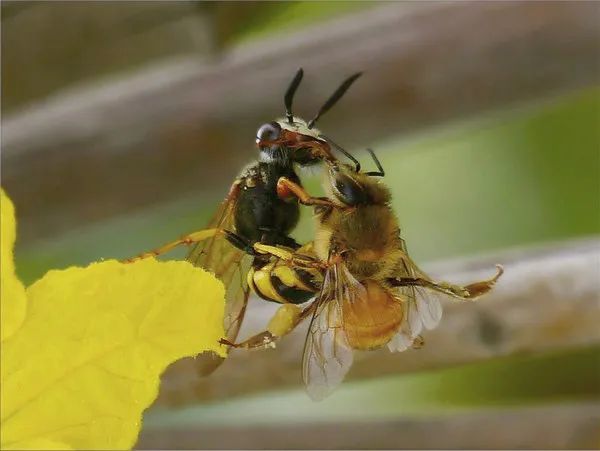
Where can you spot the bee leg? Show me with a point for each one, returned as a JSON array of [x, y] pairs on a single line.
[[443, 287], [286, 318], [477, 289], [193, 237], [287, 188], [418, 342], [467, 292], [471, 291]]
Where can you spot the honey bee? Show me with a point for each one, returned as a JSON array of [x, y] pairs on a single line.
[[372, 293], [258, 210]]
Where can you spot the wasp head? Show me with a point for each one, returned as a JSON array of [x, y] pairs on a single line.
[[284, 141], [292, 139]]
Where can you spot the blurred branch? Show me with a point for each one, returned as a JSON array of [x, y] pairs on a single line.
[[150, 134], [548, 299], [570, 426], [52, 45]]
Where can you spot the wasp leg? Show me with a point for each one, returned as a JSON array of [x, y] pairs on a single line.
[[241, 243], [258, 248], [467, 292], [271, 235], [263, 339], [193, 237], [285, 187], [286, 318], [289, 256]]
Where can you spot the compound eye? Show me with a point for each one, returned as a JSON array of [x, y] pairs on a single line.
[[268, 132], [349, 191]]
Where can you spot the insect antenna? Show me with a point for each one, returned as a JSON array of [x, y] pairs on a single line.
[[344, 151], [288, 99], [381, 172], [339, 92]]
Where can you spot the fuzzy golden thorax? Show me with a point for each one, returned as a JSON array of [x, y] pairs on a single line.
[[363, 228]]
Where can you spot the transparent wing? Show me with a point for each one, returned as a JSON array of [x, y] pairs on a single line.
[[428, 307], [327, 354], [422, 308], [230, 265]]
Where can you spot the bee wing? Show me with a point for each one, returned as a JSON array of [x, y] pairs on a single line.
[[327, 354], [408, 268], [229, 264], [422, 308], [428, 307]]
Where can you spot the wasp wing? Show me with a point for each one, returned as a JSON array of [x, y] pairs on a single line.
[[327, 354], [230, 265], [421, 308]]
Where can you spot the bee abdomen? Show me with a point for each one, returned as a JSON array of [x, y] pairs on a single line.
[[373, 319]]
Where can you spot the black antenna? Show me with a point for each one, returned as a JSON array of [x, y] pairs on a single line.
[[339, 92], [344, 151], [381, 172], [289, 95]]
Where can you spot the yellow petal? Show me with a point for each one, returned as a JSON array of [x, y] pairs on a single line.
[[86, 362], [37, 444], [12, 291]]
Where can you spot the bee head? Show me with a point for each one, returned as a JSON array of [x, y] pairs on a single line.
[[351, 187], [292, 139], [345, 185]]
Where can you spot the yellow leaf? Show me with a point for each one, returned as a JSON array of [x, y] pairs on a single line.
[[12, 292], [86, 361]]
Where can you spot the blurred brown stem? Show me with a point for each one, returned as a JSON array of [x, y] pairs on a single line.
[[547, 299]]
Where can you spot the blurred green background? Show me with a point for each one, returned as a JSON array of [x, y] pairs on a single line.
[[488, 177]]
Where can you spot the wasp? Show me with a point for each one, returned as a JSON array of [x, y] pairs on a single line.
[[371, 293], [259, 210]]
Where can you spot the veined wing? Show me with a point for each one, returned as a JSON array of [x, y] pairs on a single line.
[[228, 263], [327, 353], [422, 309]]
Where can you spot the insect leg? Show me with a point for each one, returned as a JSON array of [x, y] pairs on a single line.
[[467, 292], [286, 318], [193, 237], [289, 256], [241, 243], [477, 289], [285, 187], [271, 235]]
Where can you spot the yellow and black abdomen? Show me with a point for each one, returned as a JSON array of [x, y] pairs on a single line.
[[278, 281]]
